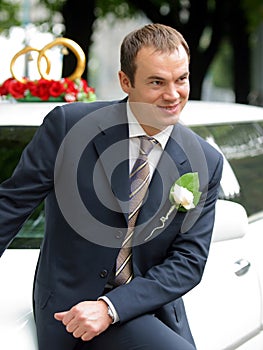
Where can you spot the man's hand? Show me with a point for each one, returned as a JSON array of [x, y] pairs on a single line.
[[86, 320]]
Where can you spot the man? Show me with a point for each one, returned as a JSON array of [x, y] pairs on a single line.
[[79, 161]]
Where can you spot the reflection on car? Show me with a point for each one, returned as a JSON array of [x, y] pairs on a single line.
[[225, 310]]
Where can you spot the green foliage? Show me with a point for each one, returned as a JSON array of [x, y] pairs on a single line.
[[9, 14], [254, 12], [53, 5], [221, 67], [120, 8]]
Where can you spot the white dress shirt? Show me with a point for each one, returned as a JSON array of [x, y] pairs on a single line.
[[135, 131]]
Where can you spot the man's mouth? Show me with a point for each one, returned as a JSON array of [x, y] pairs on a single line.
[[170, 109]]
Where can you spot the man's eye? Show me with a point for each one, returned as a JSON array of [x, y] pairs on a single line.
[[185, 77], [157, 82]]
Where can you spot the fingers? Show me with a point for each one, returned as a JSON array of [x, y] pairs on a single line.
[[85, 320], [65, 316], [86, 333], [71, 324], [60, 315], [68, 319]]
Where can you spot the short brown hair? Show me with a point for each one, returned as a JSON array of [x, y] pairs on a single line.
[[159, 36]]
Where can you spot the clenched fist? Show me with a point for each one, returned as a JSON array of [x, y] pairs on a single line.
[[86, 320]]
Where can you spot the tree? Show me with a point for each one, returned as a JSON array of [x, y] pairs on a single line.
[[78, 27], [204, 24], [8, 15]]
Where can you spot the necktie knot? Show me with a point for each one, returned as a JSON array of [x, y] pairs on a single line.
[[146, 144]]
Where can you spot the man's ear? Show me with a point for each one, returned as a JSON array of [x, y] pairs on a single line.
[[124, 82]]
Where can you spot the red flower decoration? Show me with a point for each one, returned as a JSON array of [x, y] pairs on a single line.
[[4, 88], [16, 88], [56, 88], [64, 89]]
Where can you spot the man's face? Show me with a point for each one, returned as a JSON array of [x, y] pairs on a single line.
[[161, 87]]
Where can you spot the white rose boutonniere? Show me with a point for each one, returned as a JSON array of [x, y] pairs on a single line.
[[184, 195]]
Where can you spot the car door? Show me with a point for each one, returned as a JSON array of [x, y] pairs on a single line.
[[224, 310]]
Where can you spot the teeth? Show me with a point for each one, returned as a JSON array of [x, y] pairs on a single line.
[[169, 108]]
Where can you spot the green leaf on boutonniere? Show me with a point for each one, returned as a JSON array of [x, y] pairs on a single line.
[[184, 193]]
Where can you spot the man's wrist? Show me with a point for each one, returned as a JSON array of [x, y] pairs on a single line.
[[110, 313], [111, 309]]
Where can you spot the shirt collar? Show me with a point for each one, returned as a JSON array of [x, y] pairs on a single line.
[[135, 129]]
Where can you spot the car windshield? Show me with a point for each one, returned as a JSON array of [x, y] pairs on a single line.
[[241, 144], [13, 139]]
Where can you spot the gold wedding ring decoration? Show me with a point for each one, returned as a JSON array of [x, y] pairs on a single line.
[[70, 44]]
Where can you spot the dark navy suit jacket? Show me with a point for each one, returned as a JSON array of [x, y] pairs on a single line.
[[78, 163]]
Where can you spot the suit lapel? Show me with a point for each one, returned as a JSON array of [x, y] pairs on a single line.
[[112, 146]]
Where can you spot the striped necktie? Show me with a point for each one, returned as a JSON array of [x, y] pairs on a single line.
[[139, 181]]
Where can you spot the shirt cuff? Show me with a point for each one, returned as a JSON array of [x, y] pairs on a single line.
[[111, 306]]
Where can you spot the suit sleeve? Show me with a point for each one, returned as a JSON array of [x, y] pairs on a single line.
[[182, 268], [32, 179]]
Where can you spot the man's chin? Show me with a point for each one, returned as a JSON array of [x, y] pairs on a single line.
[[151, 130]]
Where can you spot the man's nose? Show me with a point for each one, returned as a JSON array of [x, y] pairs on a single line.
[[171, 92]]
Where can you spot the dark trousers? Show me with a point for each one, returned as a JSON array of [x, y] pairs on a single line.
[[143, 333]]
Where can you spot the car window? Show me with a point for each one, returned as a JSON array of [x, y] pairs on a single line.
[[12, 142], [242, 145]]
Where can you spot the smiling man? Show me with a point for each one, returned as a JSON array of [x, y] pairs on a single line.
[[118, 252], [158, 77]]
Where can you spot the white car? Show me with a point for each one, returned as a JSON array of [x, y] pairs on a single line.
[[225, 310]]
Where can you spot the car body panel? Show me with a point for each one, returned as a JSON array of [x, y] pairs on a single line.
[[17, 326], [229, 297]]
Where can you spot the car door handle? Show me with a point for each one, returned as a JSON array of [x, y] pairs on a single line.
[[241, 267]]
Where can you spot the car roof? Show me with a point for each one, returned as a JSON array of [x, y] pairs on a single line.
[[195, 113], [24, 113], [205, 113]]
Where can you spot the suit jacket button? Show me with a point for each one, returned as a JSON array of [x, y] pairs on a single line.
[[103, 273], [119, 234]]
